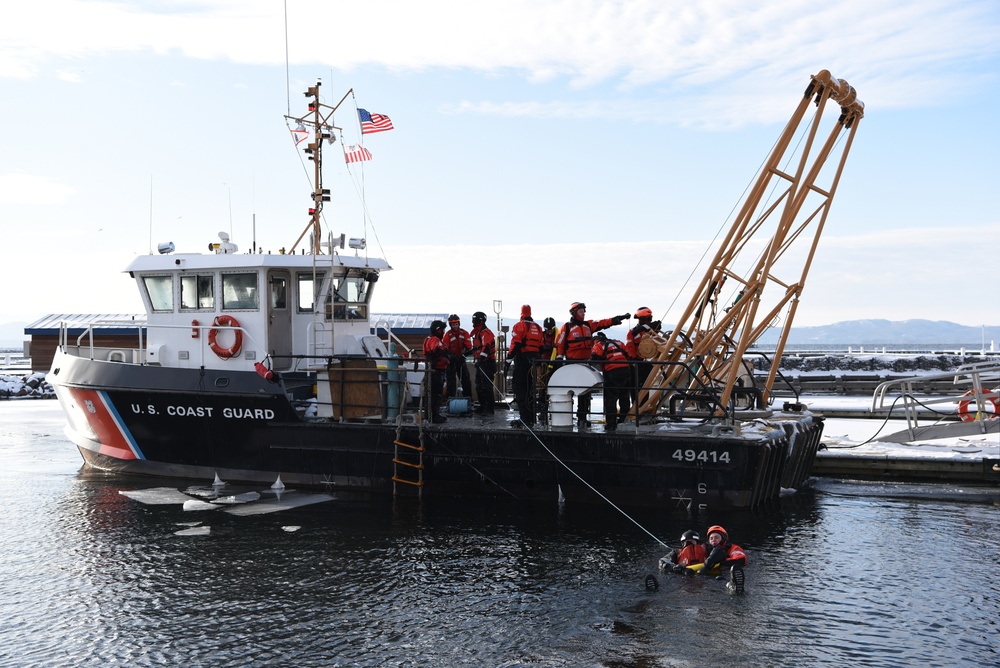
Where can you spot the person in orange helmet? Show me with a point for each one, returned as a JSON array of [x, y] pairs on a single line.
[[723, 556], [643, 328], [459, 342], [692, 552], [574, 343]]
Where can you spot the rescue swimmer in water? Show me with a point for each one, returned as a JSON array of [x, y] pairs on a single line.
[[718, 557]]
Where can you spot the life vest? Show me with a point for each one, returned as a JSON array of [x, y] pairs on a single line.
[[484, 345], [575, 338], [527, 336], [457, 341], [634, 338], [435, 353], [548, 342], [611, 351], [689, 555]]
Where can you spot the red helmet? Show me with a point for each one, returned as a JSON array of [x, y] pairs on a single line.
[[576, 305], [643, 312], [717, 529]]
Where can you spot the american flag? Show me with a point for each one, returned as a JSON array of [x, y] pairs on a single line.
[[355, 153], [373, 122]]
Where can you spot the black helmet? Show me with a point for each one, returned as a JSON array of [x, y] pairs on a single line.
[[437, 326], [478, 318], [690, 535], [549, 323], [453, 318]]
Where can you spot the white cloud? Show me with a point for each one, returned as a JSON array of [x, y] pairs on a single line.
[[721, 61]]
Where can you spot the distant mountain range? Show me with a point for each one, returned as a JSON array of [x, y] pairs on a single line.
[[849, 332], [885, 332]]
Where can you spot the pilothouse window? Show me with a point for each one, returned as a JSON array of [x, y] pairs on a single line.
[[161, 292], [350, 297], [239, 291], [309, 291], [198, 292]]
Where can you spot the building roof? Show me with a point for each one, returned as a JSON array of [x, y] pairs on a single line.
[[108, 323], [406, 323]]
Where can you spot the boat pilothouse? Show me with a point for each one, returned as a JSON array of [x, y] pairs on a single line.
[[228, 310]]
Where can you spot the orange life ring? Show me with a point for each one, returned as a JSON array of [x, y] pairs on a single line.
[[963, 405], [225, 321]]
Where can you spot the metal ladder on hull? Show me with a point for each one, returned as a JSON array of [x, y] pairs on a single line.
[[408, 465], [408, 460]]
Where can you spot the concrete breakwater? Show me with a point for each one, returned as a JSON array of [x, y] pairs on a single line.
[[855, 374]]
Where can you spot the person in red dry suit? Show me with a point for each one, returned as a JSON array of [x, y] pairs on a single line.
[[574, 342], [459, 342], [484, 350], [645, 327], [692, 552], [617, 379], [438, 359], [526, 339]]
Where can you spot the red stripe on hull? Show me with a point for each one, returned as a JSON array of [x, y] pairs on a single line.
[[104, 424]]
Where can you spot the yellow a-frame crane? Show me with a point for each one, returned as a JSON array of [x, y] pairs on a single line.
[[705, 350]]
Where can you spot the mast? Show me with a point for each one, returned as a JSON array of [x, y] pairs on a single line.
[[319, 118]]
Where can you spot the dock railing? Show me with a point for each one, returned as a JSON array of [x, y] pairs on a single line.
[[975, 390]]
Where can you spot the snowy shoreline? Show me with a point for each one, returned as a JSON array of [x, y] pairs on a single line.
[[25, 386]]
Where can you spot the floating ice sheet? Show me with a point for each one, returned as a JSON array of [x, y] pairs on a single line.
[[285, 503], [156, 496]]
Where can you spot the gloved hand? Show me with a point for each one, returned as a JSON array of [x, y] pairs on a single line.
[[617, 320], [715, 557], [655, 325]]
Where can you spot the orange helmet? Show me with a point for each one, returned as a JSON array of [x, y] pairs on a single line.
[[643, 312], [717, 529], [576, 305]]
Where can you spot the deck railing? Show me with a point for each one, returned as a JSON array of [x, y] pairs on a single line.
[[973, 392]]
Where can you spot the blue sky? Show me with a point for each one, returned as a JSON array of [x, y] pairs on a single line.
[[543, 152]]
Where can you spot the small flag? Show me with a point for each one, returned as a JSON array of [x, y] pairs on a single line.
[[300, 134], [355, 153], [373, 122]]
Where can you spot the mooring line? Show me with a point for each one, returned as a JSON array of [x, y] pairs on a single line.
[[574, 473]]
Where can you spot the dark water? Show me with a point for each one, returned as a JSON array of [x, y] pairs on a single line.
[[842, 574]]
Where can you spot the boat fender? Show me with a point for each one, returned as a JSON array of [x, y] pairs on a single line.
[[264, 372], [194, 329], [969, 416], [225, 321]]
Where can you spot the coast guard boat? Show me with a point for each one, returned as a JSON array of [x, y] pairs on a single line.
[[254, 367]]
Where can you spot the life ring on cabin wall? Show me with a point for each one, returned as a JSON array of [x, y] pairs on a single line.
[[213, 334], [968, 415]]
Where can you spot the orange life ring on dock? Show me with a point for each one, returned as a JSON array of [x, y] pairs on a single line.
[[969, 416], [225, 321]]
